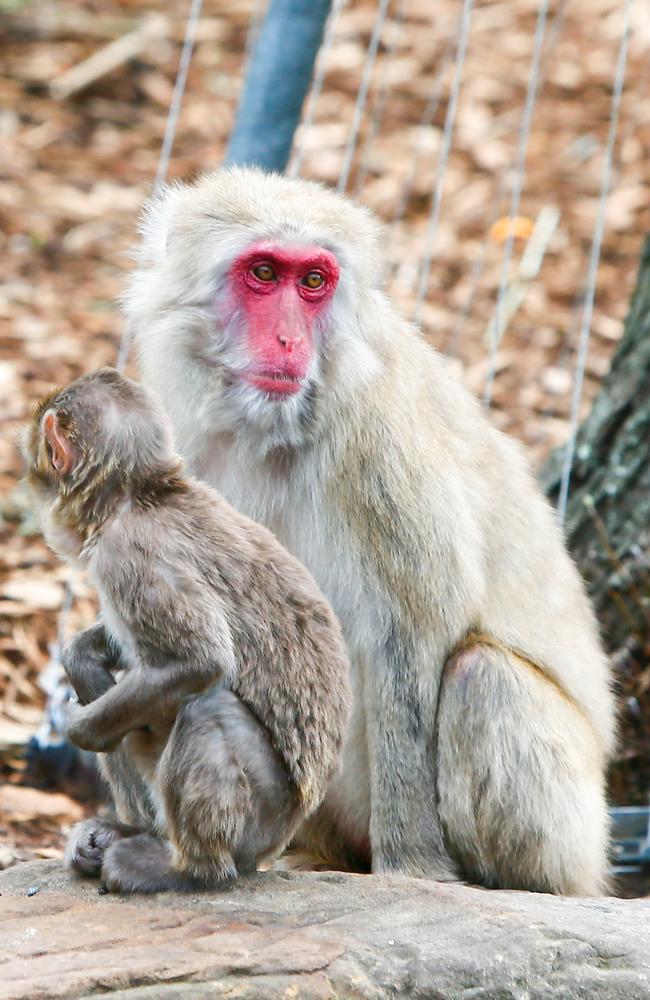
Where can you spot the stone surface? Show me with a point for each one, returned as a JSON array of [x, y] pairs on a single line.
[[316, 936]]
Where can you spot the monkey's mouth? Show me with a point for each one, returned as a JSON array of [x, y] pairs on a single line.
[[275, 383]]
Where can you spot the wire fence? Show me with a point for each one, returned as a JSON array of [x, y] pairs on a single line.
[[412, 254], [511, 289], [475, 249]]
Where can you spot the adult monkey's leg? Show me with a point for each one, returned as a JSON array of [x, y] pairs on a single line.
[[406, 834], [520, 776]]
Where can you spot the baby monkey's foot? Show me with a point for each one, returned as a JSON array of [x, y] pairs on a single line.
[[89, 841], [144, 864]]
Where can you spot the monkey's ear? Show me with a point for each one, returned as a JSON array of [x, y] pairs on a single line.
[[62, 453]]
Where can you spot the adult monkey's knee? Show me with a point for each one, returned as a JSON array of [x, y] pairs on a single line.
[[521, 776]]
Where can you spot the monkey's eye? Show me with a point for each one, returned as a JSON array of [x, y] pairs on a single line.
[[265, 272], [313, 280]]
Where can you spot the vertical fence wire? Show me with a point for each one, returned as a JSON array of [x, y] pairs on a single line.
[[553, 35], [362, 95], [316, 88], [382, 99], [253, 33], [454, 339], [177, 95], [594, 260], [447, 137], [171, 127], [517, 187], [428, 115]]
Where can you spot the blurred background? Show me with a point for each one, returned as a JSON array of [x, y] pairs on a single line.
[[85, 90]]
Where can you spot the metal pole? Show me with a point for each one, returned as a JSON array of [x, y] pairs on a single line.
[[278, 79]]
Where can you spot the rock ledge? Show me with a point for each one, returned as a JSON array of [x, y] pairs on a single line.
[[316, 936]]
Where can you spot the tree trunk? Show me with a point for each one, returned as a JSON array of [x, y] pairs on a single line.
[[608, 530]]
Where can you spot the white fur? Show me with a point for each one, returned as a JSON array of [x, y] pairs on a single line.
[[494, 557]]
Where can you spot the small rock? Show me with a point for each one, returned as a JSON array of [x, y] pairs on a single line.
[[556, 381], [7, 858]]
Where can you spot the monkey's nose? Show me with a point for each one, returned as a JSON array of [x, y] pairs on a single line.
[[290, 340]]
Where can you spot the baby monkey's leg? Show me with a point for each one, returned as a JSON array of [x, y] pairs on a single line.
[[228, 803], [88, 661], [89, 840]]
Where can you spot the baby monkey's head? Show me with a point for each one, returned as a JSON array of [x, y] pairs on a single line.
[[98, 438]]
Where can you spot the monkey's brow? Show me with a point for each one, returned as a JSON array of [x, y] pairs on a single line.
[[212, 215]]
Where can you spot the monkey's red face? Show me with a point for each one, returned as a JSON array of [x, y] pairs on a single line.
[[279, 293]]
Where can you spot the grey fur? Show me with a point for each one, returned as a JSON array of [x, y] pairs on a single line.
[[226, 718]]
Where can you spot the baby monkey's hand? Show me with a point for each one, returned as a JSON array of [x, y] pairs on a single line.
[[82, 730]]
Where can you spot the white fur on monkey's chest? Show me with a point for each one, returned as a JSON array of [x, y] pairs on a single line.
[[293, 508]]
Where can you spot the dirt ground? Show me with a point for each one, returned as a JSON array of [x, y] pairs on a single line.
[[77, 165]]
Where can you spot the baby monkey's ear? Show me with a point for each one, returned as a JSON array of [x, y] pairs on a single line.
[[62, 451]]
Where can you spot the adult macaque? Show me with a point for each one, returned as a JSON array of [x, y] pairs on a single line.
[[233, 697], [482, 717]]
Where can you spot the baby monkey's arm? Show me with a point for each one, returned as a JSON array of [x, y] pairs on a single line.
[[149, 692], [179, 640], [144, 696]]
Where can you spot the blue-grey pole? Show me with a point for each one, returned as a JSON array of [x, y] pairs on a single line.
[[279, 75]]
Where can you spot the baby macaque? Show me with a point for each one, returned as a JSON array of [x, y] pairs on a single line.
[[231, 704]]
